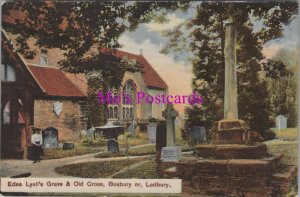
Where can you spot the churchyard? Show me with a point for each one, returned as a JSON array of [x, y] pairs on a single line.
[[223, 155], [235, 142], [279, 145]]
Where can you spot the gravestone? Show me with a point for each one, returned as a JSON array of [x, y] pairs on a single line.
[[281, 122], [68, 145], [171, 154], [50, 137], [132, 127], [170, 114], [112, 146], [61, 145], [196, 135], [90, 133], [161, 138], [151, 131]]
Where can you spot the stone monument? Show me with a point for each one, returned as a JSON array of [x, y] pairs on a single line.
[[50, 137], [170, 114], [281, 122], [196, 135], [132, 127], [230, 165], [151, 131], [171, 152]]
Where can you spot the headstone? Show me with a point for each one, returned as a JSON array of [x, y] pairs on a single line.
[[161, 138], [68, 145], [61, 145], [281, 122], [112, 146], [50, 137], [132, 127], [90, 133], [151, 131], [83, 133], [170, 114], [196, 135], [171, 154]]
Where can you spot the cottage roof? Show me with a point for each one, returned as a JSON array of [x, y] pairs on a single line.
[[55, 82]]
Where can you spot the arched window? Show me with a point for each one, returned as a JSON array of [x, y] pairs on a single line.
[[110, 113], [116, 112], [128, 100], [113, 106]]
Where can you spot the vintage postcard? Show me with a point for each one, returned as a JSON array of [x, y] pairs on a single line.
[[149, 98]]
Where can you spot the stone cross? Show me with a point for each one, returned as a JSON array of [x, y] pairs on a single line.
[[170, 114], [230, 96]]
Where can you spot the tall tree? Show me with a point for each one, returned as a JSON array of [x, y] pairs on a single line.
[[282, 86], [76, 27], [207, 44]]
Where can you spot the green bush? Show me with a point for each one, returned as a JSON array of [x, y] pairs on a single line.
[[96, 142], [268, 135]]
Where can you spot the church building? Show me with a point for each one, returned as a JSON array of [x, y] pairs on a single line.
[[35, 92]]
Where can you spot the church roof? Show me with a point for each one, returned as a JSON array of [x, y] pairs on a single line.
[[150, 76], [55, 82]]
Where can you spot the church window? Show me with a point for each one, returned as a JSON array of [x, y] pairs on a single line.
[[129, 91], [113, 106]]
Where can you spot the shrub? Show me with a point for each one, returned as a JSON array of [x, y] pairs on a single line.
[[98, 141], [268, 135]]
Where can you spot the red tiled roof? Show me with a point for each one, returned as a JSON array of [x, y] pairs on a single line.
[[55, 82], [150, 76]]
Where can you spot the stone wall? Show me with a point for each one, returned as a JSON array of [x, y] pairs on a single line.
[[70, 122], [156, 109]]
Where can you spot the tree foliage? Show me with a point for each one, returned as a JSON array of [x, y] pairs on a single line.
[[206, 41], [77, 26], [282, 86]]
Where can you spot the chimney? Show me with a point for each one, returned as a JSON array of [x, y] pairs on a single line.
[[141, 51]]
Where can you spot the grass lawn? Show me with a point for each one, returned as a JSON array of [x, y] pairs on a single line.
[[101, 169], [146, 171], [289, 150], [139, 139], [133, 151], [148, 149], [287, 134], [285, 144], [56, 153]]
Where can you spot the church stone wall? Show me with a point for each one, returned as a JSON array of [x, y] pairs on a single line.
[[156, 109], [137, 78], [70, 121]]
